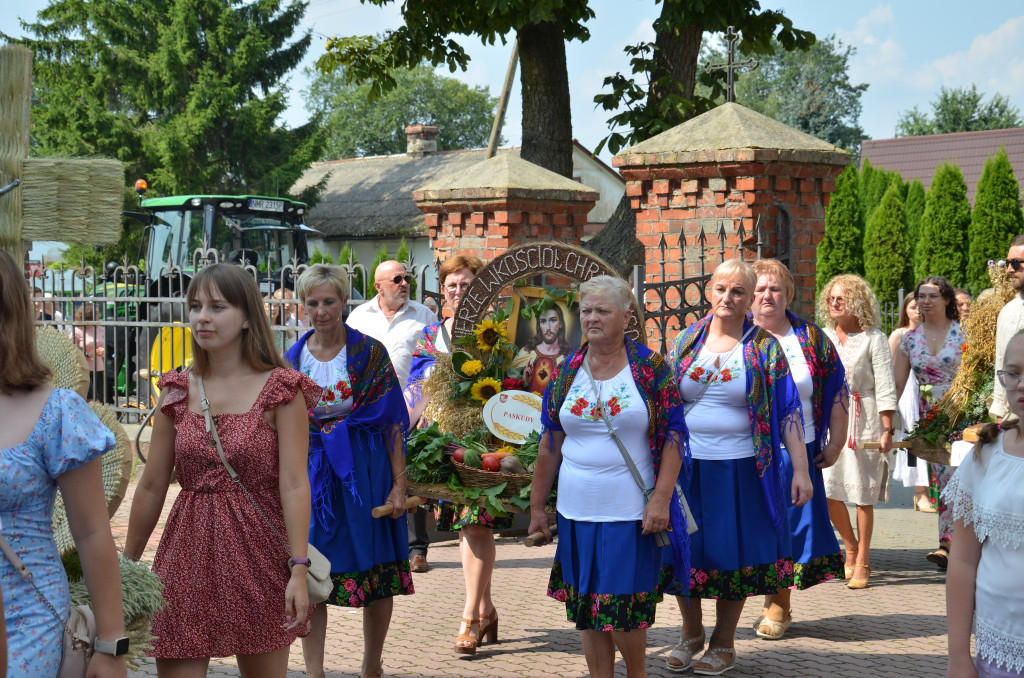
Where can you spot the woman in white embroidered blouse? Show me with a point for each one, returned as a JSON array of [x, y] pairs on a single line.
[[987, 499]]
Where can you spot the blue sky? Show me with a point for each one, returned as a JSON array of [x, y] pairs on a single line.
[[906, 50]]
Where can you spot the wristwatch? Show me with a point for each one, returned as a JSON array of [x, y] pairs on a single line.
[[117, 647], [891, 430], [292, 562]]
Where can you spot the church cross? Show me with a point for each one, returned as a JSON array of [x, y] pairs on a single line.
[[731, 65]]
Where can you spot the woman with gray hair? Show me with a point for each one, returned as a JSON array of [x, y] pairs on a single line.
[[612, 398], [356, 462], [742, 405]]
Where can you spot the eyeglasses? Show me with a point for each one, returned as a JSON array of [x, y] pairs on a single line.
[[399, 278], [455, 287], [1009, 380], [1015, 264]]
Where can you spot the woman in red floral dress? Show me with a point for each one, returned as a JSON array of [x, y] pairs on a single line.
[[232, 588]]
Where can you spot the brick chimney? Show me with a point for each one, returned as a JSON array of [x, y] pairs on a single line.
[[420, 139]]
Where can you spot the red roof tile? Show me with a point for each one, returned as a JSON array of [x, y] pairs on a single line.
[[919, 157]]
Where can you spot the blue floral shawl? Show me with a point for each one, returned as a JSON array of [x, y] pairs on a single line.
[[424, 355], [377, 422], [773, 403], [654, 380]]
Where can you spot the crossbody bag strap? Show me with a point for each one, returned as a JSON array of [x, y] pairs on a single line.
[[721, 366], [26, 576], [211, 428], [637, 478]]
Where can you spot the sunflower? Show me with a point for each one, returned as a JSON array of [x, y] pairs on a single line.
[[471, 368], [485, 388], [489, 333]]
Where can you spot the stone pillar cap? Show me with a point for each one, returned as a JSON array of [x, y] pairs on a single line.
[[505, 176], [731, 133]]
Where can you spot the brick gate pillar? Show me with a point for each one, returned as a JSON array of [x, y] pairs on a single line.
[[698, 187], [506, 201]]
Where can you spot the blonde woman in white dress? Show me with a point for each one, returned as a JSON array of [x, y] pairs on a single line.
[[848, 312]]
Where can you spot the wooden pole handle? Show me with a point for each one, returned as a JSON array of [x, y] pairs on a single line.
[[897, 445], [538, 538], [388, 509]]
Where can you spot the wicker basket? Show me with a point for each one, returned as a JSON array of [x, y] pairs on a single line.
[[475, 477], [935, 455]]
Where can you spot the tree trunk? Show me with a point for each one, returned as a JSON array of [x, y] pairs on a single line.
[[547, 121], [676, 52]]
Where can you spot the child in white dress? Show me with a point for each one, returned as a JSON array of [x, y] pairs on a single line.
[[983, 583]]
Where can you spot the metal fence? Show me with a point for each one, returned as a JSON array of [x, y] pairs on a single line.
[[671, 305], [133, 329]]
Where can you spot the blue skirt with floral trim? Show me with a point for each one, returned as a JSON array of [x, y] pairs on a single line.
[[607, 574], [816, 553], [736, 552]]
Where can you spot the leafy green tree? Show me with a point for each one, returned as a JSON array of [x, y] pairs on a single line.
[[347, 257], [942, 248], [841, 249], [807, 90], [319, 257], [888, 266], [357, 125], [874, 190], [996, 218], [430, 31], [913, 209], [402, 253], [960, 109], [186, 92], [380, 256], [661, 92]]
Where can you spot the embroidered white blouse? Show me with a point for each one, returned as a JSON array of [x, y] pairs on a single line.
[[989, 495]]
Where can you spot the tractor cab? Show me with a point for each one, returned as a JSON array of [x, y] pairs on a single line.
[[265, 233]]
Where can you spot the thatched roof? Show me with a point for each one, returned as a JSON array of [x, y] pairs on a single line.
[[372, 197]]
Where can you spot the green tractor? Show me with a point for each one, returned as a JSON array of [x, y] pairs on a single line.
[[182, 232]]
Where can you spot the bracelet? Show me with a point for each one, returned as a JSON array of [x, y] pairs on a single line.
[[891, 430], [399, 476]]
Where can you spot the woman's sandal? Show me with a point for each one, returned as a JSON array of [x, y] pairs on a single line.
[[939, 557], [860, 583], [466, 643], [769, 629], [489, 627], [683, 652], [848, 569], [715, 664]]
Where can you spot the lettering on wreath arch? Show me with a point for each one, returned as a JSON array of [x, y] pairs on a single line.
[[526, 261]]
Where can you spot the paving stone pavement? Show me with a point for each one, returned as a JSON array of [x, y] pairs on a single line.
[[894, 628]]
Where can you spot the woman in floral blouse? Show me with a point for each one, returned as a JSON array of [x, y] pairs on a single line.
[[933, 351], [607, 566], [356, 462], [741, 406]]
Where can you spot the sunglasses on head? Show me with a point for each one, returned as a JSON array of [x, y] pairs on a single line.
[[1015, 264], [399, 278]]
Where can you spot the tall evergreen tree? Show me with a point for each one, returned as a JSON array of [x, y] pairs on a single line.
[[841, 250], [997, 217], [942, 249], [873, 189], [866, 174], [913, 208], [887, 262], [187, 93]]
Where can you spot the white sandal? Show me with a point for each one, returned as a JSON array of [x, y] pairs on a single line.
[[775, 629], [684, 654], [716, 665]]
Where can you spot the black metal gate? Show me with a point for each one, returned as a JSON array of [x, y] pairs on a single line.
[[671, 305]]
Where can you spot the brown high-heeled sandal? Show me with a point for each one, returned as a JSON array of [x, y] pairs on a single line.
[[847, 568], [465, 643], [860, 583], [489, 629]]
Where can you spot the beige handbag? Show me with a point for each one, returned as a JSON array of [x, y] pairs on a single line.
[[318, 577], [79, 630]]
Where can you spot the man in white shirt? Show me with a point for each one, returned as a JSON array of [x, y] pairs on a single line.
[[395, 321], [1011, 321]]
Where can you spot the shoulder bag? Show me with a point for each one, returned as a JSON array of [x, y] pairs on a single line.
[[660, 538], [318, 576], [79, 630]]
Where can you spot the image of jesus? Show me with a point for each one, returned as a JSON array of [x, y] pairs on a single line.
[[545, 351]]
